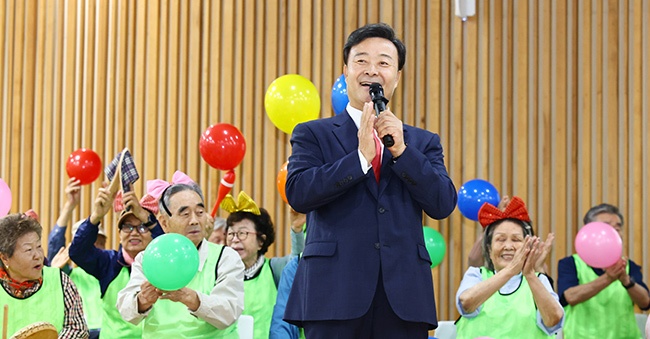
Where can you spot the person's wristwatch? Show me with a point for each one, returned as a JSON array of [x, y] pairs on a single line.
[[631, 284]]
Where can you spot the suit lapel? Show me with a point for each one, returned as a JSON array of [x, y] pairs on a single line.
[[345, 132]]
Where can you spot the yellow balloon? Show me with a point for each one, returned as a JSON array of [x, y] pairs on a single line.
[[291, 99]]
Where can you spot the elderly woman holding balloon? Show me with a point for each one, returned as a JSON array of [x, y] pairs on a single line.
[[507, 298], [598, 287]]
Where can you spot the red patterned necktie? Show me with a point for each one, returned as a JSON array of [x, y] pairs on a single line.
[[376, 161]]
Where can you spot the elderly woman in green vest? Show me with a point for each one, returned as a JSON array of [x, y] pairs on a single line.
[[249, 231], [507, 298], [28, 285]]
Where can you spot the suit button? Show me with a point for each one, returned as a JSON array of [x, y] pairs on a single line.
[[377, 245], [350, 177], [381, 210]]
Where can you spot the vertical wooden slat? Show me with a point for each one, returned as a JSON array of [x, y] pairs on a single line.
[[171, 70], [610, 121], [163, 90], [151, 91], [47, 112], [182, 111], [138, 145], [36, 112], [15, 110], [5, 37], [635, 134], [585, 87], [194, 127], [558, 124], [204, 87]]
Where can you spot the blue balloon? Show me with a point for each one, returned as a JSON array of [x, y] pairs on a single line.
[[473, 194], [340, 95]]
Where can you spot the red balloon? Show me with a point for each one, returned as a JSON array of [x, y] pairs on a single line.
[[222, 146], [85, 165], [282, 181]]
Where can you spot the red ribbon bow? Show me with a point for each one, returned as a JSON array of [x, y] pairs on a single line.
[[516, 209]]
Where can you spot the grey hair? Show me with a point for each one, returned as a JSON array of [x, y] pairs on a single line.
[[489, 233], [599, 209], [14, 226], [219, 223], [163, 203]]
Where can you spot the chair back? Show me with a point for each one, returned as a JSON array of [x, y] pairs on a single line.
[[245, 326], [640, 321], [446, 330]]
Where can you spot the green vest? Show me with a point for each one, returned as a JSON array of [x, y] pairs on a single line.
[[504, 316], [608, 314], [44, 305], [259, 298], [91, 295], [113, 325], [168, 319]]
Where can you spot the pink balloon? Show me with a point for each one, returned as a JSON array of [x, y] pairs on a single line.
[[599, 245], [5, 198]]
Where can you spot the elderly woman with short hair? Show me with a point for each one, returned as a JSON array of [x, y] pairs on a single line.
[[28, 285]]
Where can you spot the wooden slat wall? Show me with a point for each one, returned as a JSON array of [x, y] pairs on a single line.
[[548, 100]]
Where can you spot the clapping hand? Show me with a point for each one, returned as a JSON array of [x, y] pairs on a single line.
[[545, 250], [517, 263]]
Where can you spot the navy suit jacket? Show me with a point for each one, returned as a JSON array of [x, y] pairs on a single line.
[[357, 227]]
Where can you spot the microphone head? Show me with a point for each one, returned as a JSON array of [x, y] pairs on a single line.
[[376, 91]]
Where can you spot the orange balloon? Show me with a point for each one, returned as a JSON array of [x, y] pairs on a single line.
[[282, 181]]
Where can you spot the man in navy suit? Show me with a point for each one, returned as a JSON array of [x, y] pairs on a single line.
[[365, 272]]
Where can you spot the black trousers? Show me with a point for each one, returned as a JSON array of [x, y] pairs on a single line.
[[380, 322]]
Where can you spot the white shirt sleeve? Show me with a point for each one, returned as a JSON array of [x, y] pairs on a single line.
[[365, 166]]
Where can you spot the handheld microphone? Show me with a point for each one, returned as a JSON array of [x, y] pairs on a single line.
[[377, 96]]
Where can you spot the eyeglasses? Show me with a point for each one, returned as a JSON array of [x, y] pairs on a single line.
[[142, 229], [241, 235]]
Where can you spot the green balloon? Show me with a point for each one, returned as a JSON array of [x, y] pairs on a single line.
[[435, 244], [170, 261]]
